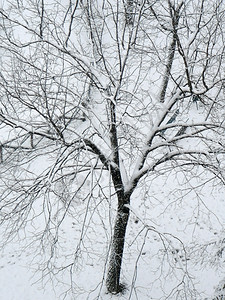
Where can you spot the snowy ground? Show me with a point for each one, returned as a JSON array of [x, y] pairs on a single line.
[[156, 269]]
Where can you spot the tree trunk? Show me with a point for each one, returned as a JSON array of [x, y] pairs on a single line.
[[113, 277]]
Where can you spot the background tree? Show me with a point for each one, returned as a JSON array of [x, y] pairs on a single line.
[[97, 97]]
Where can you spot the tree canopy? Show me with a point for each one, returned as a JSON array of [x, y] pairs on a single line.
[[98, 99]]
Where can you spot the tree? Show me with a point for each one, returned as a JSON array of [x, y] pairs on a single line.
[[219, 292], [99, 89]]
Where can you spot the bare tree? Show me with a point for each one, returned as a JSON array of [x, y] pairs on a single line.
[[97, 89]]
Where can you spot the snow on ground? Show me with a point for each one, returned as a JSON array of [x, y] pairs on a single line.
[[16, 278], [149, 272]]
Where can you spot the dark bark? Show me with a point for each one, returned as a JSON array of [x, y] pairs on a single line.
[[117, 247], [129, 12], [175, 16], [113, 277]]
